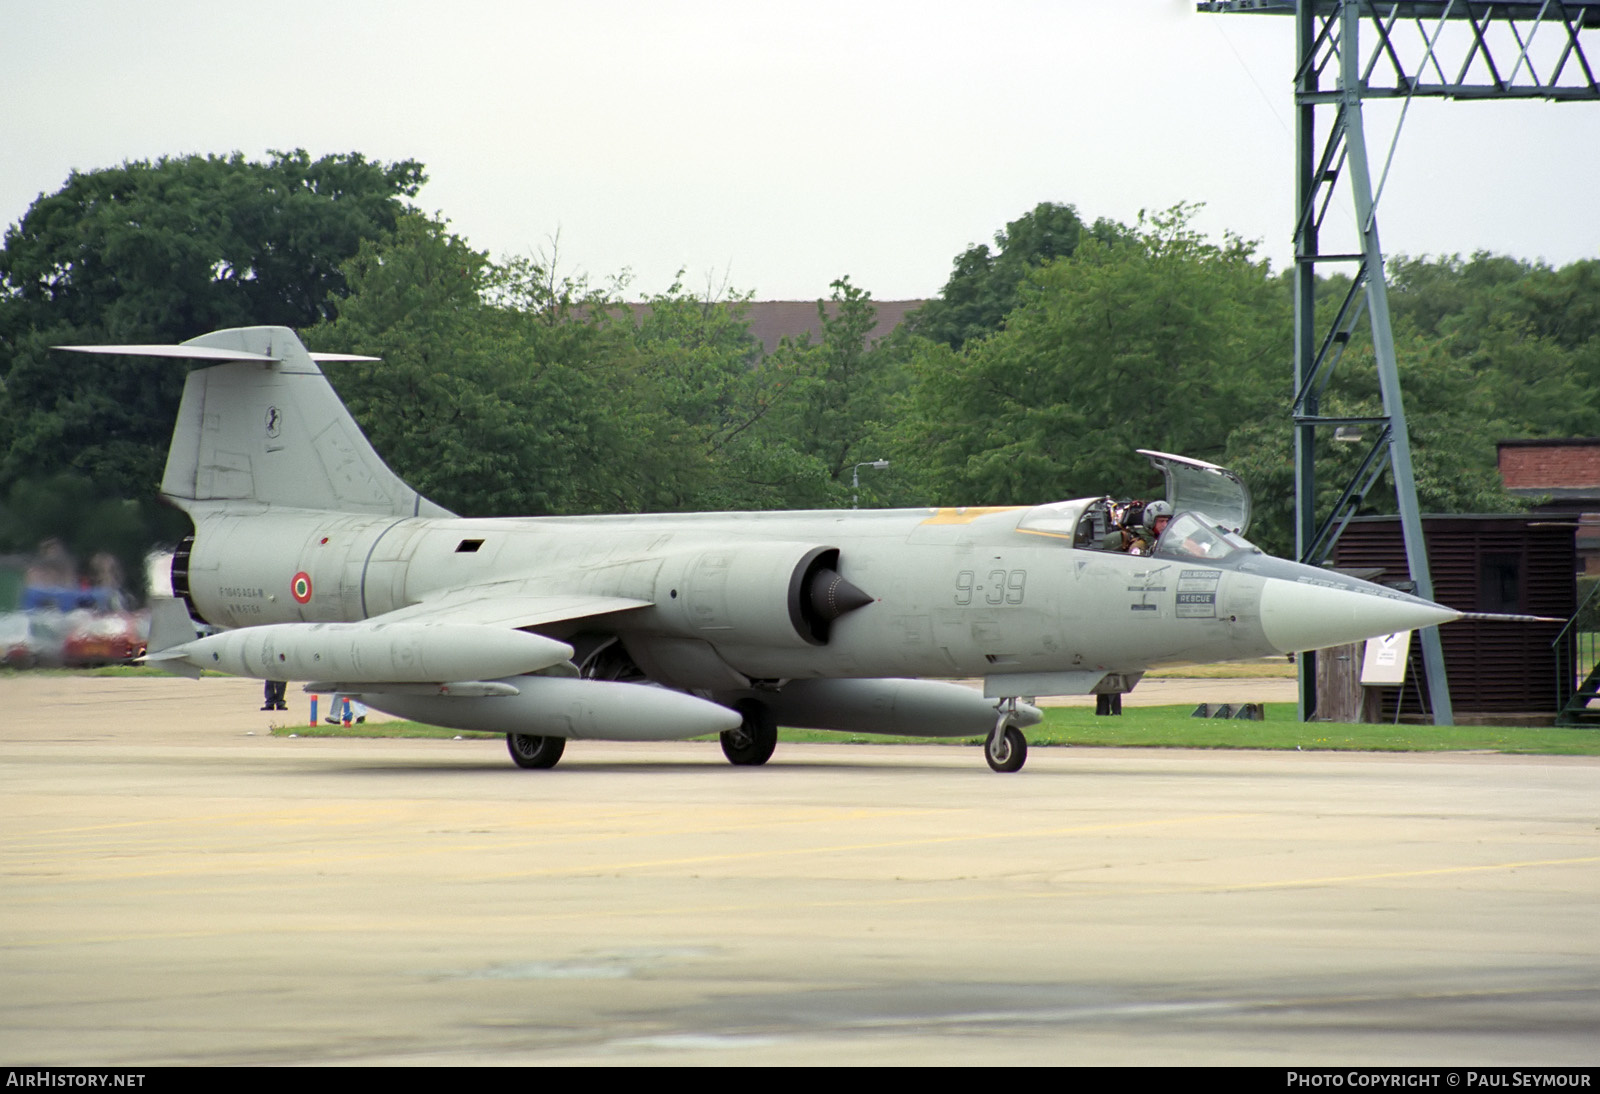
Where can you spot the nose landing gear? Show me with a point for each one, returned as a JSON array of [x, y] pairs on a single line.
[[1006, 749]]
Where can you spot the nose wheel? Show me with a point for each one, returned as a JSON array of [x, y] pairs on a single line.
[[1006, 749]]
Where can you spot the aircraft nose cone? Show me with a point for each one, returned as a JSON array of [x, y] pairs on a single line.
[[1299, 616]]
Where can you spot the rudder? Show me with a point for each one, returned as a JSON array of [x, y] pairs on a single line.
[[265, 426]]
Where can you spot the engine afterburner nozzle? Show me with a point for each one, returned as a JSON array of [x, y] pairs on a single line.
[[833, 596]]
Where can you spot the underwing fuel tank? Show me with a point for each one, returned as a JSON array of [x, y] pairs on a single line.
[[367, 653], [918, 708], [561, 706]]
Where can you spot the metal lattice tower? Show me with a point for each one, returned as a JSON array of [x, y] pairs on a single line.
[[1458, 49]]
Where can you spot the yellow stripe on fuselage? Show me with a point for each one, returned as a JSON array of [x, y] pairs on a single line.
[[965, 514]]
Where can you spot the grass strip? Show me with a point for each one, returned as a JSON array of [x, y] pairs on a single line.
[[1158, 727]]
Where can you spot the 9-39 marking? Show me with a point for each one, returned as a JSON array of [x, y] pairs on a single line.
[[998, 587]]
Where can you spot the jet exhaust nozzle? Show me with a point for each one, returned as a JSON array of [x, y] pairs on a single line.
[[833, 596]]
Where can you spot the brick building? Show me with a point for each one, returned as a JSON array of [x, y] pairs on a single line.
[[1564, 475], [771, 321]]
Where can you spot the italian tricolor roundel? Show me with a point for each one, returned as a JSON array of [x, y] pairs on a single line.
[[301, 587]]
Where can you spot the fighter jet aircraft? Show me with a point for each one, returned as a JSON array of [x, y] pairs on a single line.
[[322, 566]]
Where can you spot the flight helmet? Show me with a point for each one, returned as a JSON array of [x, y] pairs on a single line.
[[1154, 510]]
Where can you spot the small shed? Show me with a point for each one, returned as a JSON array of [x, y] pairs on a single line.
[[1521, 564]]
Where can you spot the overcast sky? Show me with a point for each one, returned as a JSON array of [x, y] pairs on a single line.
[[773, 145]]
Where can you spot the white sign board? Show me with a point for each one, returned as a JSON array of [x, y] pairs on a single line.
[[1385, 661]]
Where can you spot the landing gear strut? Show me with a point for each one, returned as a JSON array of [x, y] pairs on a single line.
[[1006, 749], [752, 743]]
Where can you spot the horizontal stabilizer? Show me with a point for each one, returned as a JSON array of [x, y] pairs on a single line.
[[190, 352], [261, 424]]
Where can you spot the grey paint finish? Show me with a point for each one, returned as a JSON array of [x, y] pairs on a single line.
[[301, 529]]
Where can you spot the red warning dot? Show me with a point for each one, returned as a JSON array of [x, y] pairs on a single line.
[[300, 587]]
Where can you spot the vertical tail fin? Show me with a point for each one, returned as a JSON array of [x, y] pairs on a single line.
[[265, 426]]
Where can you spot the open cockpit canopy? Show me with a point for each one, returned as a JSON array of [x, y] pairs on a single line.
[[1215, 497], [1194, 486]]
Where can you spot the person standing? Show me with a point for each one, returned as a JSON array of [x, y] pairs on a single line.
[[273, 692]]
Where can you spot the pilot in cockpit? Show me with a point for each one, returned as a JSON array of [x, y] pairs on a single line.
[[1157, 515]]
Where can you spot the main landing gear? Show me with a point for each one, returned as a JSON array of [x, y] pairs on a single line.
[[1006, 749], [752, 743], [535, 752]]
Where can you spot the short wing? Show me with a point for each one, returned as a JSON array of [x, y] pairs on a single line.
[[477, 613], [484, 606]]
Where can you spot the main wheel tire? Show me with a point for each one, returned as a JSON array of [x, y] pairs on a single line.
[[752, 743], [535, 752], [1007, 751]]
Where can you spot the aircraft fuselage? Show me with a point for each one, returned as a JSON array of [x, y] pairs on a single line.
[[324, 567], [955, 593]]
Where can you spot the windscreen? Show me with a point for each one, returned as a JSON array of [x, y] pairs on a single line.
[[1191, 537]]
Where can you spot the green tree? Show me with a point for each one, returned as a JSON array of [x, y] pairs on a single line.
[[502, 390], [699, 372], [507, 389], [1435, 294], [161, 252], [1160, 340], [1489, 348], [1529, 332], [1453, 422], [831, 404], [986, 285]]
